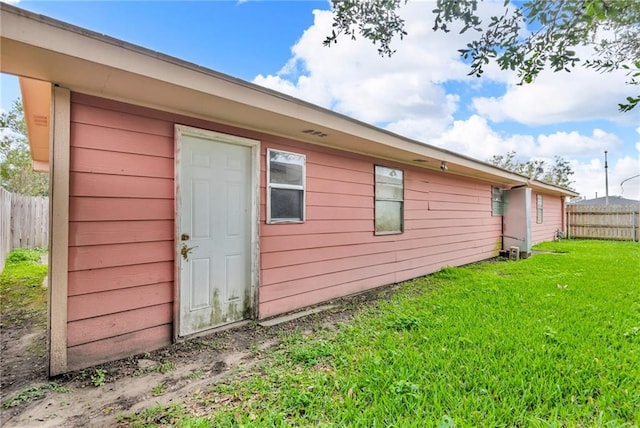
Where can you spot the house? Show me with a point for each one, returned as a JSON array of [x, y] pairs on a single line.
[[605, 200], [183, 199]]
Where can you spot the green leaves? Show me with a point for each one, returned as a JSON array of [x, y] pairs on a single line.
[[558, 174], [632, 102], [375, 20], [529, 37], [16, 172]]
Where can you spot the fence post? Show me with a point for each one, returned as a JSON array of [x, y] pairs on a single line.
[[5, 226]]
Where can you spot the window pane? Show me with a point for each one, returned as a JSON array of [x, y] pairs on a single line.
[[539, 211], [496, 194], [286, 204], [389, 196], [386, 191], [497, 204], [388, 175], [497, 208], [388, 216], [388, 183], [286, 168]]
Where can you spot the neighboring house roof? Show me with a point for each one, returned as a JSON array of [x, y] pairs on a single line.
[[40, 48], [613, 200]]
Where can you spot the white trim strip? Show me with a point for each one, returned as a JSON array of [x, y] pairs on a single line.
[[59, 230]]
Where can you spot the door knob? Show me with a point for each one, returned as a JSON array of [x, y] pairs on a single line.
[[186, 250]]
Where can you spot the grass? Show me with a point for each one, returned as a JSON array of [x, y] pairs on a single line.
[[158, 390], [550, 341], [22, 297], [165, 366], [33, 393]]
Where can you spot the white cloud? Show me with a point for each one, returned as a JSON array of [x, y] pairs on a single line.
[[407, 94], [574, 144], [581, 95], [474, 137], [427, 128], [626, 168], [350, 77], [400, 92], [559, 97], [591, 180]]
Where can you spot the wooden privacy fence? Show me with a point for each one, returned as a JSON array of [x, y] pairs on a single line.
[[24, 223], [615, 222]]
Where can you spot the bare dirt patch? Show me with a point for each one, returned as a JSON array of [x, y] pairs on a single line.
[[96, 396], [23, 350]]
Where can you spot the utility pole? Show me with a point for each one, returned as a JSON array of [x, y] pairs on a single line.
[[606, 179]]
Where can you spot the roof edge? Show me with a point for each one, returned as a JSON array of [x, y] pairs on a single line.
[[372, 132]]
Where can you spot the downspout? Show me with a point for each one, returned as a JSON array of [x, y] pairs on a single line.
[[502, 228], [606, 179], [565, 210]]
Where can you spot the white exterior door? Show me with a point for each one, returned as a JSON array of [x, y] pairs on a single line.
[[215, 206]]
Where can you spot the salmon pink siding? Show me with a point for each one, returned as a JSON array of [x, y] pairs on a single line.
[[122, 210], [121, 229], [447, 221], [552, 218]]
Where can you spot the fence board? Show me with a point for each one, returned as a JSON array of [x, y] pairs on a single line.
[[615, 222], [24, 223], [5, 226]]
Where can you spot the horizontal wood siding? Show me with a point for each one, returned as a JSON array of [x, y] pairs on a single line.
[[122, 218], [121, 231], [116, 347], [552, 208], [335, 251]]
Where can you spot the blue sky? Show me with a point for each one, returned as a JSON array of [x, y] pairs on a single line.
[[423, 91]]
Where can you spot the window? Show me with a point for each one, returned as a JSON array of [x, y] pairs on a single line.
[[285, 187], [497, 201], [539, 217], [389, 200]]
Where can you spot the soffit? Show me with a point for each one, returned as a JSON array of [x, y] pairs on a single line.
[[36, 100]]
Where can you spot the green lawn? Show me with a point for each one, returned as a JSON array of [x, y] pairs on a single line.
[[22, 297], [549, 341]]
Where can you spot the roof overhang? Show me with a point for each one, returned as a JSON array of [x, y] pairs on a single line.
[[36, 100], [40, 48]]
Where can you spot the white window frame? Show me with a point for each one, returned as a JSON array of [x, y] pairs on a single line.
[[496, 212], [375, 198], [271, 186], [539, 209]]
